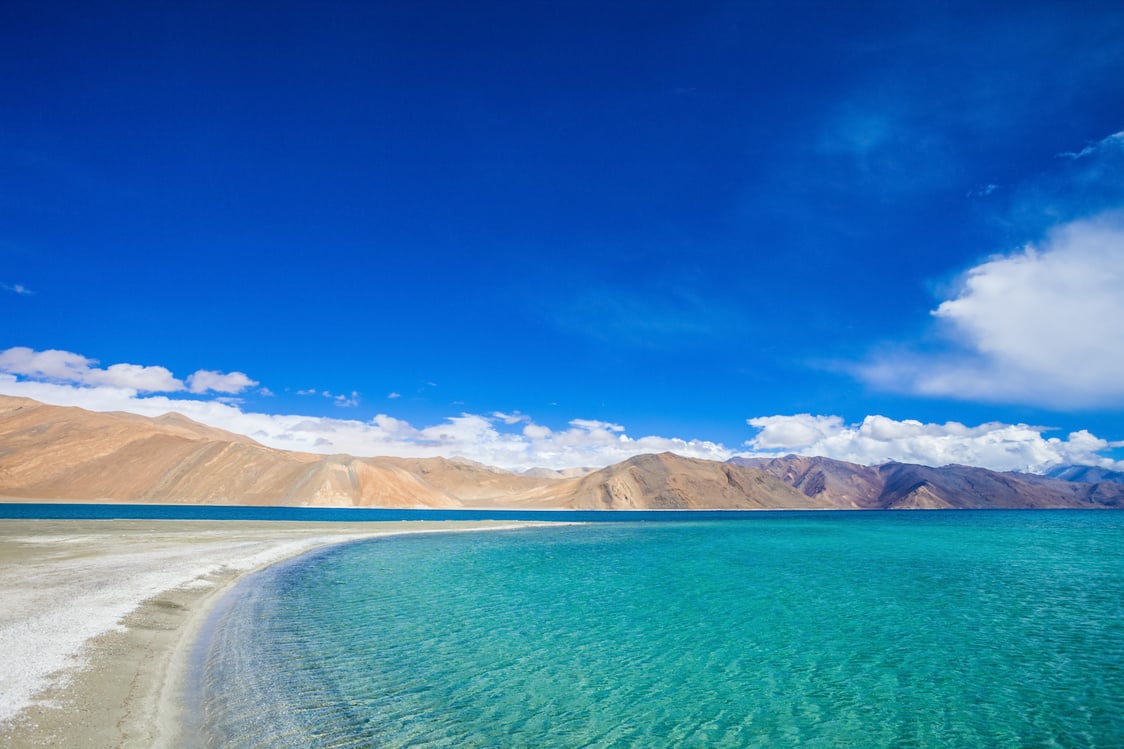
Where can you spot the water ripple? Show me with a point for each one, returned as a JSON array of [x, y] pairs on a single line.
[[922, 630]]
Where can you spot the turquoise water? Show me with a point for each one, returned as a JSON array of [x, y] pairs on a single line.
[[954, 629]]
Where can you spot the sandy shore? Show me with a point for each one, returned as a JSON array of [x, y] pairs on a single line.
[[98, 617]]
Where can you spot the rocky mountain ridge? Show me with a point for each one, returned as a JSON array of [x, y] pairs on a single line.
[[908, 486], [1086, 474], [69, 454]]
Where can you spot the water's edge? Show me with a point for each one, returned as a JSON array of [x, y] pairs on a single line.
[[10, 510], [888, 627], [191, 707]]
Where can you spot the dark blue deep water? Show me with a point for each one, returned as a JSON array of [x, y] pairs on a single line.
[[63, 511]]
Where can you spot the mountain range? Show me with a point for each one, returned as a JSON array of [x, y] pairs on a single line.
[[69, 454]]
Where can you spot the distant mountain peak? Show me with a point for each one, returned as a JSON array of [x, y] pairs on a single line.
[[1086, 474], [52, 452]]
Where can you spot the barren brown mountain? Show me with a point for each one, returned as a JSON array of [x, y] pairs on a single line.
[[51, 452], [832, 483], [671, 482], [899, 486], [60, 453]]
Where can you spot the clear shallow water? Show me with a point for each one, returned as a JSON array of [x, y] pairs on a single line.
[[814, 629]]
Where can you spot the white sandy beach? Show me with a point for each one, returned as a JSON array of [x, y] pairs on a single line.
[[98, 616]]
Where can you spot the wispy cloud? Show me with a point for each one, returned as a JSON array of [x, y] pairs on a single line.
[[1113, 141], [17, 288], [983, 191], [662, 314], [346, 401], [878, 144], [1082, 184], [511, 418], [340, 399]]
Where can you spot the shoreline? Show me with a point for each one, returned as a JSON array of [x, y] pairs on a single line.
[[102, 615]]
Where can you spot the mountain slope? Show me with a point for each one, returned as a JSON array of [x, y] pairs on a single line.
[[668, 481], [832, 483], [906, 486], [57, 453], [1086, 474], [51, 452]]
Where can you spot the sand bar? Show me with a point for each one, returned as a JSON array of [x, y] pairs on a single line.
[[98, 616]]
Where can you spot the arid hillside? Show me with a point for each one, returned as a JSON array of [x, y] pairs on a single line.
[[59, 453], [894, 486]]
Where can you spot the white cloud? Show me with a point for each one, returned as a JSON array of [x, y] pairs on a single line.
[[511, 418], [205, 379], [1116, 139], [67, 367], [64, 366], [596, 426], [782, 432], [485, 439], [340, 399], [17, 288], [983, 191], [393, 396], [878, 439], [51, 364], [346, 401], [536, 432], [1040, 326], [516, 442], [137, 377]]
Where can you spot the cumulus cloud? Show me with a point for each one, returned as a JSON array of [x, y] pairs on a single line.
[[513, 440], [783, 432], [67, 367], [879, 439], [1040, 326], [205, 379], [587, 442], [536, 432], [136, 377], [487, 439]]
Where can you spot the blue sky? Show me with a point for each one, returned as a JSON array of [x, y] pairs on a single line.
[[560, 233]]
